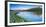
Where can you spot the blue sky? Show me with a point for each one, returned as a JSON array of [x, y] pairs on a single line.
[[21, 6]]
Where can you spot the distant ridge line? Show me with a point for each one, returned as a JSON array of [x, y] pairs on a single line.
[[20, 10]]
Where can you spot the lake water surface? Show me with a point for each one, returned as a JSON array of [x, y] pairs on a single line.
[[30, 16]]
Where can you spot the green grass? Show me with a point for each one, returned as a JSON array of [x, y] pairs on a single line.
[[14, 18]]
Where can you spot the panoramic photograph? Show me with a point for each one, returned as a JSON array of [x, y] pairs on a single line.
[[25, 13]]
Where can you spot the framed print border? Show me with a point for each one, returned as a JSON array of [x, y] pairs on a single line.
[[23, 2]]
